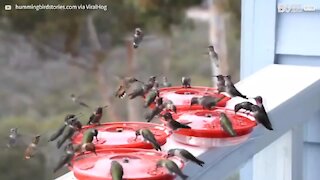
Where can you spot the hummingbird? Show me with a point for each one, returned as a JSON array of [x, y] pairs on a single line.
[[173, 124], [74, 125], [149, 137], [151, 113], [88, 136], [186, 82], [13, 137], [221, 83], [185, 155], [151, 97], [213, 55], [125, 83], [66, 158], [231, 89], [226, 125], [259, 102], [96, 116], [159, 101], [58, 133], [171, 167], [82, 148], [150, 84], [261, 116], [76, 100], [165, 82], [32, 148], [137, 38], [168, 105], [137, 91], [207, 102], [116, 170], [243, 105]]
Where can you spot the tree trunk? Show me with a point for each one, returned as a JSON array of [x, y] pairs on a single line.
[[134, 104], [168, 57]]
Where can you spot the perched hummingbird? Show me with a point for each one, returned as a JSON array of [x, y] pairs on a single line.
[[243, 105], [76, 100], [168, 105], [226, 124], [13, 137], [173, 124], [88, 136], [165, 82], [185, 155], [32, 148], [137, 38], [82, 148], [125, 83], [261, 116], [116, 170], [96, 116], [151, 113], [221, 84], [213, 55], [58, 133], [151, 97], [66, 158], [207, 102], [171, 167], [186, 82], [231, 89], [149, 137]]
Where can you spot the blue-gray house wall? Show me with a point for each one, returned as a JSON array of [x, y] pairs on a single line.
[[269, 37]]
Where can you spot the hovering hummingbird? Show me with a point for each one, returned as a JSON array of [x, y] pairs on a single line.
[[207, 102], [149, 137], [226, 125], [66, 158], [32, 148], [171, 167], [168, 105], [165, 82], [243, 105], [151, 113], [13, 137], [96, 116], [88, 136], [231, 89], [77, 100], [173, 124], [125, 83], [137, 38], [185, 155], [221, 83], [261, 116], [137, 91], [116, 170], [151, 97], [213, 56], [150, 84], [186, 82], [59, 132]]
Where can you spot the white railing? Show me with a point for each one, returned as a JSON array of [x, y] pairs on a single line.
[[291, 96]]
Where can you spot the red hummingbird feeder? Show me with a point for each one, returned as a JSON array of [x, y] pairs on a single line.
[[206, 130], [181, 97], [122, 135], [138, 164]]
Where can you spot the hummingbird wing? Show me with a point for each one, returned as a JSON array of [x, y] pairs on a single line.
[[186, 154], [58, 133]]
